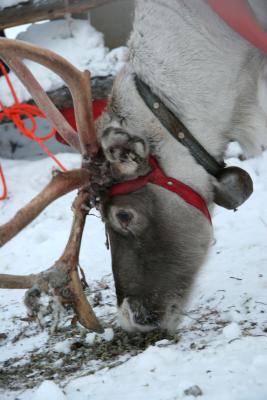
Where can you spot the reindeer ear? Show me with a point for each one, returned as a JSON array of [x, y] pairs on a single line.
[[232, 187]]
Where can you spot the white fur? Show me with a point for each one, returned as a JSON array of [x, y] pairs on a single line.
[[205, 72]]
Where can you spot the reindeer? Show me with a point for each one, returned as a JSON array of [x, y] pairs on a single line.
[[189, 87]]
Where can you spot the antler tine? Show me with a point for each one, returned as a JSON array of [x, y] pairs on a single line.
[[16, 281], [46, 105], [61, 184], [62, 278], [78, 82], [70, 258]]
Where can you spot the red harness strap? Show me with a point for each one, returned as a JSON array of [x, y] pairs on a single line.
[[239, 16], [157, 177], [99, 106]]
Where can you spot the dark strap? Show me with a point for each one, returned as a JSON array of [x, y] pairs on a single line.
[[177, 129]]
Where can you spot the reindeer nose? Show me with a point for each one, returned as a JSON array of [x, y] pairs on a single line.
[[135, 317]]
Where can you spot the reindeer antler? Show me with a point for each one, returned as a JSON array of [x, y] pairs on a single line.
[[86, 143], [61, 184]]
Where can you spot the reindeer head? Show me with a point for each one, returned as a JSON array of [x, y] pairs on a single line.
[[158, 237]]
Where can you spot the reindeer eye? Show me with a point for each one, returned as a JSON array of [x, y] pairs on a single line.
[[124, 217]]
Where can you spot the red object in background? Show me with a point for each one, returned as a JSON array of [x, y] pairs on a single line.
[[240, 17], [99, 107]]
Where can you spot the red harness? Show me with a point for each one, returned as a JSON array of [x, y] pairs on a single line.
[[157, 177]]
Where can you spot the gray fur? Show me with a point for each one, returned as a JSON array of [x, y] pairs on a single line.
[[217, 83]]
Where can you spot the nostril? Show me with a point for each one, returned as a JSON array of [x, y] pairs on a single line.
[[147, 319], [133, 317], [124, 218]]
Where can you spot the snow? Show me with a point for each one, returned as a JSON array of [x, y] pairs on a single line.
[[78, 42], [91, 337], [232, 331], [108, 335], [48, 390], [223, 341], [12, 33], [19, 348], [63, 347], [165, 373], [10, 3]]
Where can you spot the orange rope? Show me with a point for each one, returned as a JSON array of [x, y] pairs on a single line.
[[15, 114], [2, 177]]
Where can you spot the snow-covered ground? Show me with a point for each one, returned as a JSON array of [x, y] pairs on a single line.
[[220, 350]]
